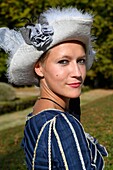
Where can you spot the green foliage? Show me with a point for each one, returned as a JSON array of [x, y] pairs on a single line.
[[85, 89], [101, 74], [16, 105], [102, 71], [3, 65], [7, 92]]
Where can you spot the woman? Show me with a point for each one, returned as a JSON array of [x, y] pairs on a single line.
[[55, 54]]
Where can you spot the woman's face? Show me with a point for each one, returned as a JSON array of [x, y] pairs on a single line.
[[64, 70]]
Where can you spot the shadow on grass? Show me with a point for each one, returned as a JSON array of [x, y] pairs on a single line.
[[13, 161], [11, 152]]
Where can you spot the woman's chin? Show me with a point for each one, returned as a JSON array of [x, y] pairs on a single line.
[[74, 95]]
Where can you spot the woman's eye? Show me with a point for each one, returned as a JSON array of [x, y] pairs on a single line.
[[63, 62], [82, 61]]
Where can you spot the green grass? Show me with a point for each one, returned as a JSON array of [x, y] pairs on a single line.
[[11, 153], [97, 119]]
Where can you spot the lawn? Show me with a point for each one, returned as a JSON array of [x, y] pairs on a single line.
[[97, 119]]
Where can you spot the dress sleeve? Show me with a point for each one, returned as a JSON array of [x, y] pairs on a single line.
[[34, 143]]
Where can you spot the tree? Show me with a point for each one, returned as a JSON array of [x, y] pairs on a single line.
[[101, 74]]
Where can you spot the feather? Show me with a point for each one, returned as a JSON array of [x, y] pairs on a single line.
[[55, 14]]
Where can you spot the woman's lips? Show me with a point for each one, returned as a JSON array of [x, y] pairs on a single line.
[[75, 85]]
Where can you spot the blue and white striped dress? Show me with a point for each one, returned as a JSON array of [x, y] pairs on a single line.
[[55, 140]]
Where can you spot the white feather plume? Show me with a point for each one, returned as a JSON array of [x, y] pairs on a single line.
[[55, 14]]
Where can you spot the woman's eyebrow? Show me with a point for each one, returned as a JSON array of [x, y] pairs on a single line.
[[82, 56], [70, 56]]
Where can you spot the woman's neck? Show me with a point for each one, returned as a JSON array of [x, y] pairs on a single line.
[[50, 101]]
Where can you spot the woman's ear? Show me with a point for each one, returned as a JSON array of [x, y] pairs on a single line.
[[38, 69]]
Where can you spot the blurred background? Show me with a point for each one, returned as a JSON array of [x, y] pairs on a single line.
[[96, 99]]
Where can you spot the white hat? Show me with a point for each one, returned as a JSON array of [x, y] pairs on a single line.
[[27, 44]]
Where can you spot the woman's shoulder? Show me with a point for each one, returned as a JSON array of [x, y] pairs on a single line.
[[44, 115], [61, 122], [43, 118], [58, 118]]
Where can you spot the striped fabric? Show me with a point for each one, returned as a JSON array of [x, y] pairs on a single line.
[[54, 140]]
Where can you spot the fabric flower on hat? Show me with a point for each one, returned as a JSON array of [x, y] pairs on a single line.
[[40, 36]]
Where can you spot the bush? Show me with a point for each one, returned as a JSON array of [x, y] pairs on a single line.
[[16, 105], [7, 92], [85, 88]]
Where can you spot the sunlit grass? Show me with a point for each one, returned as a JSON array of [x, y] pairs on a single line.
[[14, 119]]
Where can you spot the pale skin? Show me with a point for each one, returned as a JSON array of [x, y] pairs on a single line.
[[62, 75]]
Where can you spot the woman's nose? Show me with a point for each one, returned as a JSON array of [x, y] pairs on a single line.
[[75, 70]]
